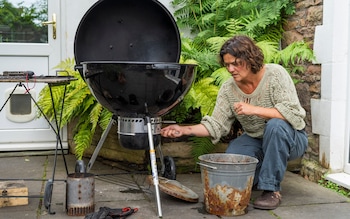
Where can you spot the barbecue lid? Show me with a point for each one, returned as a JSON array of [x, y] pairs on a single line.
[[175, 188], [127, 30]]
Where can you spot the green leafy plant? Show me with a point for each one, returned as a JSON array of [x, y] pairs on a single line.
[[21, 22], [79, 105], [333, 186], [210, 23], [260, 19]]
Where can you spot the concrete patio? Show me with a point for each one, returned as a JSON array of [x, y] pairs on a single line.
[[116, 188]]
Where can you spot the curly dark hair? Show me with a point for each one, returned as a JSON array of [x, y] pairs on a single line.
[[243, 48]]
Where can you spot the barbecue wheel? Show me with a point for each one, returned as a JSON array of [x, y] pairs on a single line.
[[170, 168]]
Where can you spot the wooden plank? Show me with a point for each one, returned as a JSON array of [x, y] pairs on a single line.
[[13, 188]]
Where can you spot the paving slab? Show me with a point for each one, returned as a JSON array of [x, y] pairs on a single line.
[[319, 211], [116, 188]]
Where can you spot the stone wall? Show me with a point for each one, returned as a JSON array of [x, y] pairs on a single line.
[[301, 26], [114, 154]]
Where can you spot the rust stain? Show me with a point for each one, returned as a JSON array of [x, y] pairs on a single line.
[[225, 200], [176, 188], [324, 163]]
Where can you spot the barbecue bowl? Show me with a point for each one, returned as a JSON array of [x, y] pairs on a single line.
[[130, 88]]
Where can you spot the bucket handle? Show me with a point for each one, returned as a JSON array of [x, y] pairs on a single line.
[[206, 165]]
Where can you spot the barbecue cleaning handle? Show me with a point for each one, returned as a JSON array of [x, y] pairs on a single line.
[[164, 66]]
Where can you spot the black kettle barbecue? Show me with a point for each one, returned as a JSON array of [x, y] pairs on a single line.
[[128, 51]]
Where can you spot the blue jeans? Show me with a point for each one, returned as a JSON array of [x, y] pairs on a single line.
[[280, 143]]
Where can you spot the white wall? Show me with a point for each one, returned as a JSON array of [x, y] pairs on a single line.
[[330, 117], [72, 12]]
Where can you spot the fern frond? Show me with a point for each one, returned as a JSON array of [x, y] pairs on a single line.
[[295, 54], [76, 103], [95, 115], [233, 26], [82, 141], [221, 75], [83, 136], [216, 43], [201, 146], [190, 99], [205, 95], [269, 49], [105, 118]]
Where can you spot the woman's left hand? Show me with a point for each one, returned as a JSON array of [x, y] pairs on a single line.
[[242, 108]]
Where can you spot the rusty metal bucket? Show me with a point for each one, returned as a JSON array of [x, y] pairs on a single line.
[[80, 192], [228, 181]]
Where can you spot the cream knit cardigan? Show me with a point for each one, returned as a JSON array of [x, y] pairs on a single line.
[[276, 89]]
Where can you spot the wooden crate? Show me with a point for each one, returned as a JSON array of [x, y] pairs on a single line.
[[13, 188]]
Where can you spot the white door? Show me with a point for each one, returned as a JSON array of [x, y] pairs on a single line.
[[347, 146], [27, 48], [347, 159]]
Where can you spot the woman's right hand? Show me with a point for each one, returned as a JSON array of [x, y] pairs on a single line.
[[172, 131]]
